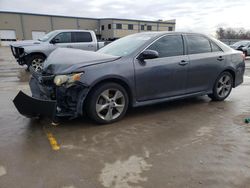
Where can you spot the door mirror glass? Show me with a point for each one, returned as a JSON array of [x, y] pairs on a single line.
[[149, 54]]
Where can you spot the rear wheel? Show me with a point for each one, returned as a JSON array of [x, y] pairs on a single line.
[[107, 103], [222, 87], [36, 62]]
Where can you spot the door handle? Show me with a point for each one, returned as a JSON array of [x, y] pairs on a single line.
[[90, 45], [220, 58], [69, 46], [183, 62]]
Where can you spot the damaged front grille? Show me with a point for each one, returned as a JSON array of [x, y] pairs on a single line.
[[17, 52]]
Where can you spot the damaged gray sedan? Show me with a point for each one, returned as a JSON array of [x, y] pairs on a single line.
[[139, 69]]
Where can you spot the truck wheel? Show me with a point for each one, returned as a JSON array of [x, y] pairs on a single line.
[[36, 62], [107, 103], [222, 87]]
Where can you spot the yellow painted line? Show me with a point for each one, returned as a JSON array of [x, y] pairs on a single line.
[[52, 141]]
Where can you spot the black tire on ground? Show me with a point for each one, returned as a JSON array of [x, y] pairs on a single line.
[[96, 100], [220, 86], [36, 62]]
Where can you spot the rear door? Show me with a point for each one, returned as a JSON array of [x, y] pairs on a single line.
[[166, 75], [206, 61], [83, 40]]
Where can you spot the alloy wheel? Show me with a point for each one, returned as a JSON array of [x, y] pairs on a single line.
[[224, 86], [37, 64], [110, 104]]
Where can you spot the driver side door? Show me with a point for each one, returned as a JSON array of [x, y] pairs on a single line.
[[63, 40], [166, 75]]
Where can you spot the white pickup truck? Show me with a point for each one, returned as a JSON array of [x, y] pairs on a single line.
[[33, 53]]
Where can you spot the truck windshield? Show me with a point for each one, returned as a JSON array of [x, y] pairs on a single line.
[[126, 45], [48, 36]]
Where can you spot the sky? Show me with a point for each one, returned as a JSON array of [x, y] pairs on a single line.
[[191, 15]]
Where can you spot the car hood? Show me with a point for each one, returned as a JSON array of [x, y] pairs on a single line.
[[26, 43], [66, 61]]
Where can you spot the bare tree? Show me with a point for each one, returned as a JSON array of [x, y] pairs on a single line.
[[232, 33]]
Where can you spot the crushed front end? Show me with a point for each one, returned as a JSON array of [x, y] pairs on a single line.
[[52, 96]]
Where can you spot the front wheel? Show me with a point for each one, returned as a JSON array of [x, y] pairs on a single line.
[[36, 62], [222, 87], [107, 103]]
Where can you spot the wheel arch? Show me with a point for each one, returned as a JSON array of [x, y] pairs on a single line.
[[117, 80], [232, 72]]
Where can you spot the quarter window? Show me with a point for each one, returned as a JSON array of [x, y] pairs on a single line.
[[198, 44], [81, 37], [167, 46], [64, 37], [215, 47], [118, 26]]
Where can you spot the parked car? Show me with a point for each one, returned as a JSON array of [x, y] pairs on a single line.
[[243, 46], [140, 69], [33, 53]]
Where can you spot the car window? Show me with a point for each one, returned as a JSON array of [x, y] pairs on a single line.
[[81, 37], [198, 44], [64, 37], [167, 46], [215, 47]]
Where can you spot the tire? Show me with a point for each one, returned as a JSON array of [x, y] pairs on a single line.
[[107, 103], [222, 87], [36, 62]]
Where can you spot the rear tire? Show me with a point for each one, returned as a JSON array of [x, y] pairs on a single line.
[[222, 87], [107, 103], [36, 62]]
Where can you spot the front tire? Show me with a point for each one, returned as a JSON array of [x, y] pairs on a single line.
[[107, 103], [36, 62], [222, 87]]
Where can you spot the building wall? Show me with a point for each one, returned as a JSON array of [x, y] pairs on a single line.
[[24, 24], [107, 33], [35, 23], [12, 22]]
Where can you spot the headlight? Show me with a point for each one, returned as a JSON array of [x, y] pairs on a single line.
[[61, 79]]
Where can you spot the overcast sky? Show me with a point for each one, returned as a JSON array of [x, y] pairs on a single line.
[[191, 15]]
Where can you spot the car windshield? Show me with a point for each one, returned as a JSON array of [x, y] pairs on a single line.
[[241, 43], [126, 45], [48, 36]]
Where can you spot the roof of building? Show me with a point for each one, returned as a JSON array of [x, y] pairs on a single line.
[[36, 14]]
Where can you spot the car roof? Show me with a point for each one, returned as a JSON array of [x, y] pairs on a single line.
[[71, 30]]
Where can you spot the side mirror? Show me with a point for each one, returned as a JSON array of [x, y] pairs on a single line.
[[54, 41], [149, 54]]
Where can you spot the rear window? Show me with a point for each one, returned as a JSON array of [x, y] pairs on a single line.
[[81, 37], [198, 44]]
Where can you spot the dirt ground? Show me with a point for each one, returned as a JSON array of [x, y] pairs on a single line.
[[187, 143]]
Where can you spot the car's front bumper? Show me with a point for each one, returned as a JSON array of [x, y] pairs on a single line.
[[33, 107], [51, 101]]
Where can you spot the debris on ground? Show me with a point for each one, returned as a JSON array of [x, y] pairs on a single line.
[[247, 120]]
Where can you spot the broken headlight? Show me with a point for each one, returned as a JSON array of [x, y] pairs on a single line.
[[67, 79]]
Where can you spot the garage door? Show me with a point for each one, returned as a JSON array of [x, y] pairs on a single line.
[[7, 37], [37, 34]]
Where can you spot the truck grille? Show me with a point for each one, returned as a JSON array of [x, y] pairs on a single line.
[[17, 52]]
